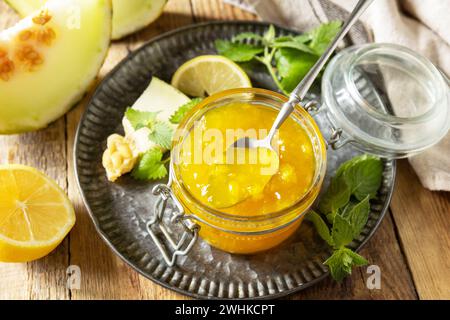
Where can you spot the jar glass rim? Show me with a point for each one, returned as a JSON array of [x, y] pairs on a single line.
[[320, 155], [390, 49], [341, 68]]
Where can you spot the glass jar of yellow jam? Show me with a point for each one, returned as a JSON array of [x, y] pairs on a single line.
[[380, 98], [240, 208]]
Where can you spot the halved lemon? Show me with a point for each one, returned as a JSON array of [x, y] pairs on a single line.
[[206, 75], [35, 214]]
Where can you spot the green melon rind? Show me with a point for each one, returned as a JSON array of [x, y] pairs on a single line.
[[129, 15]]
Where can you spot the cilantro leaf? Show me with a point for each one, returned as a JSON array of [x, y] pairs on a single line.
[[178, 115], [292, 66], [238, 52], [341, 262], [140, 119], [321, 227], [150, 166], [161, 134], [323, 35]]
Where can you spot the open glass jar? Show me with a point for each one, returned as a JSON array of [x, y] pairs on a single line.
[[384, 99]]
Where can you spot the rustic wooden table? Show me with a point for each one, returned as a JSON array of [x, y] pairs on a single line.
[[412, 246]]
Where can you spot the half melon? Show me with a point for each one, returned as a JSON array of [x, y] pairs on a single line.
[[129, 15], [49, 59]]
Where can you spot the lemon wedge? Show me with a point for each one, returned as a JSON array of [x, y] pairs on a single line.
[[206, 75], [35, 214]]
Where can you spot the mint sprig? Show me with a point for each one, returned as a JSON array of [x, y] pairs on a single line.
[[286, 58], [346, 206]]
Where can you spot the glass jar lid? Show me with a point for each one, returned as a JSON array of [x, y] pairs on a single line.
[[387, 99]]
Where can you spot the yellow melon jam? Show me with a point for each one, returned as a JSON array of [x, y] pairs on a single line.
[[245, 200]]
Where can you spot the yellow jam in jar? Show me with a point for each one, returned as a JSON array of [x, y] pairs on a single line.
[[246, 188], [246, 200]]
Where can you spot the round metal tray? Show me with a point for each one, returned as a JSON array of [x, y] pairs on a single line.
[[119, 210]]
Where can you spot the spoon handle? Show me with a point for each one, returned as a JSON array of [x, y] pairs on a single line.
[[303, 87]]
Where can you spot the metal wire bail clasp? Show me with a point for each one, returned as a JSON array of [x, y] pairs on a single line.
[[171, 248]]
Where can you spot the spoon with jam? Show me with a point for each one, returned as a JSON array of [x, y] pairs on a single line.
[[299, 93], [230, 183]]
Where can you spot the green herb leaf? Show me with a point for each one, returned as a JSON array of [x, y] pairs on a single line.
[[323, 35], [363, 175], [292, 66], [357, 215], [140, 119], [161, 134], [150, 166], [336, 197], [321, 227], [283, 39], [342, 231], [341, 262], [269, 35], [294, 45], [238, 52], [248, 36], [357, 260], [178, 115], [303, 38]]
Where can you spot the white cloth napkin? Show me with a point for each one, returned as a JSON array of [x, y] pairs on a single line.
[[421, 25]]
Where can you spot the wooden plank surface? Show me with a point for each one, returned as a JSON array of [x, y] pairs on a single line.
[[422, 218], [411, 247]]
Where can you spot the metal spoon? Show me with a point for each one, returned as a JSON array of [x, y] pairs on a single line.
[[303, 87]]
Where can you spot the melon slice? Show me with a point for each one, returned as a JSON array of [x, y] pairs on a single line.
[[158, 97], [49, 59], [129, 15]]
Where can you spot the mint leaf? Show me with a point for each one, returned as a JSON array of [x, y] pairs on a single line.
[[150, 166], [303, 38], [140, 119], [269, 35], [357, 259], [294, 45], [323, 35], [238, 52], [363, 175], [248, 36], [283, 39], [321, 227], [292, 66], [336, 197], [341, 232], [161, 134], [178, 115], [341, 262], [357, 215]]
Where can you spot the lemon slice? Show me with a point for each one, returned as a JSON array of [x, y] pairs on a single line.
[[35, 214], [206, 75]]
